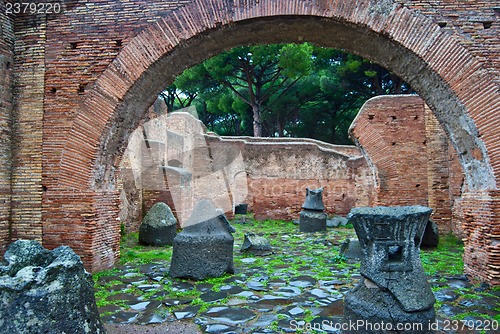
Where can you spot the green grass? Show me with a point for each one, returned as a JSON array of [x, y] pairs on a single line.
[[132, 252], [445, 259]]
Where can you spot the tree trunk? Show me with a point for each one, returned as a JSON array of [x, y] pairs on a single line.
[[257, 123], [281, 128]]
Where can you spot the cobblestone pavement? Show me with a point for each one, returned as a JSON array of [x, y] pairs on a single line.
[[300, 286]]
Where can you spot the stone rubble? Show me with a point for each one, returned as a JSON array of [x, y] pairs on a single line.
[[44, 291]]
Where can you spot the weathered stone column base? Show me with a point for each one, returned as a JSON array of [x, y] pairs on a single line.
[[312, 221], [376, 311], [198, 260]]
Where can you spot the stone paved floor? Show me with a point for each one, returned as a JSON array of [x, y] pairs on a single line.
[[304, 288]]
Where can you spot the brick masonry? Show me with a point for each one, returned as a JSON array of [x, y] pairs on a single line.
[[84, 78], [27, 126], [6, 103], [481, 210], [410, 155]]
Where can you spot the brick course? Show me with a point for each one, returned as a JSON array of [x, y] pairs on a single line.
[[83, 80]]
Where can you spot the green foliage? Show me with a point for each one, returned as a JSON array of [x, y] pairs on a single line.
[[295, 90]]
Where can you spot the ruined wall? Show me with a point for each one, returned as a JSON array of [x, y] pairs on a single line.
[[59, 58], [278, 172], [269, 174], [410, 154], [474, 23], [6, 103]]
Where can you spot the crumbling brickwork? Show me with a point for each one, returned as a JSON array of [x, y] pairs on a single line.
[[84, 78], [410, 155], [481, 210]]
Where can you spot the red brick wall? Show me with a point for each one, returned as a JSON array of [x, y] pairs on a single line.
[[391, 131], [6, 100], [410, 154], [87, 221], [440, 182], [28, 121], [82, 107], [81, 43]]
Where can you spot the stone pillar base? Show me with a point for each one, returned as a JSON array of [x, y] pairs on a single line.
[[312, 221], [376, 311]]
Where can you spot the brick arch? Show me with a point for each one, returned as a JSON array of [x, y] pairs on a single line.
[[432, 61], [452, 81]]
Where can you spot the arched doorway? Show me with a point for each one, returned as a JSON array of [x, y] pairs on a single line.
[[451, 81]]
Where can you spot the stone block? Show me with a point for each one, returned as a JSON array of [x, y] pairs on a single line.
[[312, 221], [158, 227]]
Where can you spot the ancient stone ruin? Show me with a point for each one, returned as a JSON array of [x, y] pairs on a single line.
[[351, 249], [313, 217], [256, 245], [158, 227], [393, 288], [44, 291], [204, 248]]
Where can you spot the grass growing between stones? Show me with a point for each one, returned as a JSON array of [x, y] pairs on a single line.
[[132, 252], [470, 304], [445, 259], [143, 275]]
